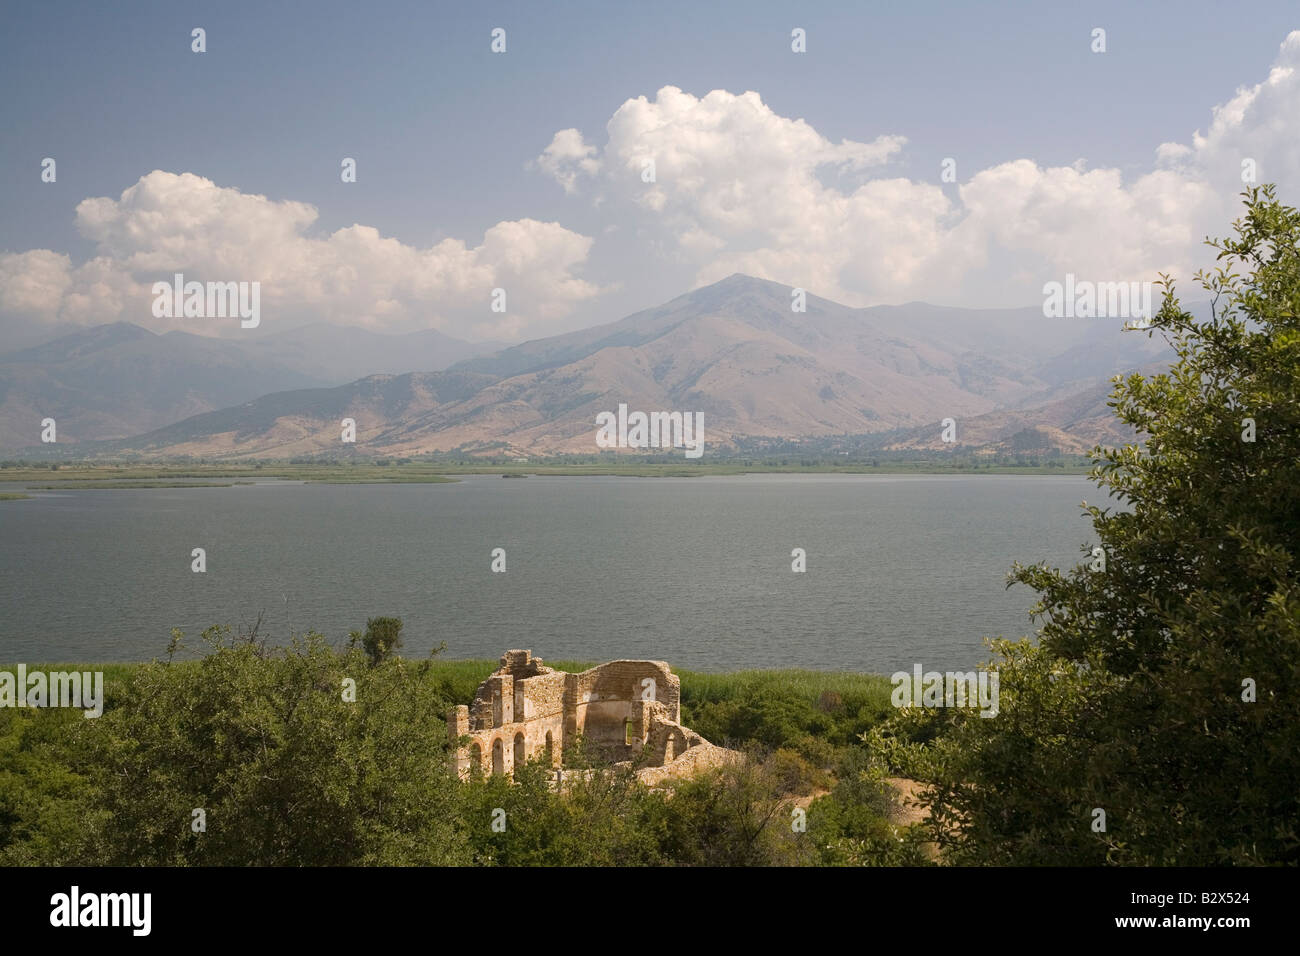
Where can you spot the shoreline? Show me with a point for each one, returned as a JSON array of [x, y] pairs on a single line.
[[98, 477]]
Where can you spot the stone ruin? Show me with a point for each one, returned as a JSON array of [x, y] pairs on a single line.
[[623, 710]]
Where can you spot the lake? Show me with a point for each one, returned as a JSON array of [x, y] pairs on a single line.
[[695, 571]]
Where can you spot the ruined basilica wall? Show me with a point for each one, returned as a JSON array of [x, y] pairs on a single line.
[[605, 704], [667, 740], [523, 702], [623, 681], [534, 742], [523, 714], [541, 696]]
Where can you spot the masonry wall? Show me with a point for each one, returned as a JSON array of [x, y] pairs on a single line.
[[501, 748], [517, 715], [525, 708]]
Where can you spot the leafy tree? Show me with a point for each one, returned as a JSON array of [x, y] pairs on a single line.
[[382, 638], [1162, 690], [300, 756]]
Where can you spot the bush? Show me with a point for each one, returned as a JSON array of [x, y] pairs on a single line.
[[381, 640], [794, 774], [287, 764]]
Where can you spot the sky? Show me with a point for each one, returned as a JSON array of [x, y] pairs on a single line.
[[526, 170]]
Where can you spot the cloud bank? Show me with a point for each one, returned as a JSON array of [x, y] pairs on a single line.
[[718, 183], [738, 188], [168, 223]]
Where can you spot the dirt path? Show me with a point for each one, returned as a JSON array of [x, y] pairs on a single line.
[[910, 809]]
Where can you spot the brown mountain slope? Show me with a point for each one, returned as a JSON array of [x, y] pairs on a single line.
[[733, 351], [1074, 425]]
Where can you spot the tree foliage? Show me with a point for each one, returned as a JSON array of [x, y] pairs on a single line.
[[381, 640], [1162, 689]]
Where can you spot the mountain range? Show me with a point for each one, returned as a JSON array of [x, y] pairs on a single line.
[[118, 380], [735, 351]]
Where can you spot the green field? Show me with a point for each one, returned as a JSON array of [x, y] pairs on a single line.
[[99, 475], [106, 485], [458, 679]]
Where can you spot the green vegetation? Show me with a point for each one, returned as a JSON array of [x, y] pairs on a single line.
[[393, 479], [442, 468], [106, 485], [814, 714], [13, 497], [1162, 689], [380, 640], [289, 771]]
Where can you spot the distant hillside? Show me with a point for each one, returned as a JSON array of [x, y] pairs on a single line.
[[116, 380], [734, 351], [1073, 425], [338, 354]]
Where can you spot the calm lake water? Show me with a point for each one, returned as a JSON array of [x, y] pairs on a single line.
[[693, 571]]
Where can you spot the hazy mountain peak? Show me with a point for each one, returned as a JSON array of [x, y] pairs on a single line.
[[81, 342]]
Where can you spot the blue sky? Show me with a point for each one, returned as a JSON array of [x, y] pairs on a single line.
[[447, 134]]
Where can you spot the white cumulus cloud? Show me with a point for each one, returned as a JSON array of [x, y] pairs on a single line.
[[167, 223], [737, 187]]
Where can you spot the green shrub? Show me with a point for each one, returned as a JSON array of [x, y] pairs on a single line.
[[285, 767]]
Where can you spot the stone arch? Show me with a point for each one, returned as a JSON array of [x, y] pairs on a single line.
[[521, 750], [498, 757], [475, 758]]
